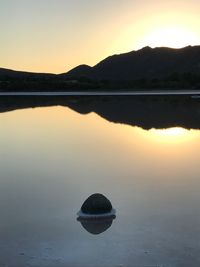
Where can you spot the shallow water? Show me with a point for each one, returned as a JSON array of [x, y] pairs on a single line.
[[52, 159]]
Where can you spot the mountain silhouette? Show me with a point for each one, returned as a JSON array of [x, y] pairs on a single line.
[[147, 68], [144, 63], [8, 73], [81, 70]]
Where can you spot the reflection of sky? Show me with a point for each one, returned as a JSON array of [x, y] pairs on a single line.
[[52, 159]]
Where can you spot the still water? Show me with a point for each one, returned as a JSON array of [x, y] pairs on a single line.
[[53, 158]]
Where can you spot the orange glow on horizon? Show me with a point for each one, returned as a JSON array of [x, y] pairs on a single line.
[[68, 34], [174, 37], [166, 137], [175, 135]]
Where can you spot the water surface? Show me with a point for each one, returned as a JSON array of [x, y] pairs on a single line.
[[53, 158]]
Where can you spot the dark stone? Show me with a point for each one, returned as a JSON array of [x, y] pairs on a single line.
[[96, 204]]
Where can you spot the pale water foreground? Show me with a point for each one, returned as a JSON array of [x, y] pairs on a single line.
[[52, 159]]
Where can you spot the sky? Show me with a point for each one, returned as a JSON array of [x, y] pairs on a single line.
[[57, 35]]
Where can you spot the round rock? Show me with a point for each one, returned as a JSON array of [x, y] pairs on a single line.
[[96, 204]]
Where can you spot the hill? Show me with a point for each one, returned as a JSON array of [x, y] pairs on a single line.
[[7, 73], [147, 68], [146, 63]]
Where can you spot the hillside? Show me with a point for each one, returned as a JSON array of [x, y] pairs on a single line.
[[145, 63], [147, 68]]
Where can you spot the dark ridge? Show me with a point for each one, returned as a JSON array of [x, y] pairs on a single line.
[[81, 70], [22, 74], [147, 68], [145, 63], [148, 63]]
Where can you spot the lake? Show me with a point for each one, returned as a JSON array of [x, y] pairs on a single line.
[[54, 156]]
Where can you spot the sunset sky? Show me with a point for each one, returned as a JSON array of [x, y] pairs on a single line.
[[57, 35]]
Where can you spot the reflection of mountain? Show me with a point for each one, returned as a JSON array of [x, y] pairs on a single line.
[[143, 111]]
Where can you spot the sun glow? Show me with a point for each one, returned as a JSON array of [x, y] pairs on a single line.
[[172, 36], [172, 135], [170, 132]]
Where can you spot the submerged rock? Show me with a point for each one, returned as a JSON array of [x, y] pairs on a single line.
[[96, 204]]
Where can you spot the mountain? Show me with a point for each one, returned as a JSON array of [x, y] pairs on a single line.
[[7, 73], [147, 68], [145, 63], [81, 70]]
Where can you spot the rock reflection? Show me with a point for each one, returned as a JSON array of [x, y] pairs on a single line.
[[96, 226]]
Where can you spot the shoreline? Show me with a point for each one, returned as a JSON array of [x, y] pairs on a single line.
[[106, 93]]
